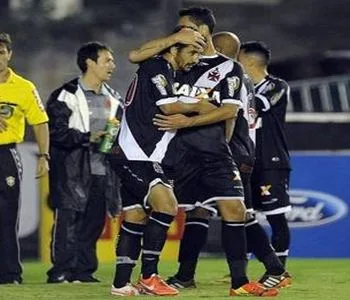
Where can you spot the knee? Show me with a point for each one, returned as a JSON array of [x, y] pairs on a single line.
[[168, 207], [137, 216], [162, 199], [233, 211]]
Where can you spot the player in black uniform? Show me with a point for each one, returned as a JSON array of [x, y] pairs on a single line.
[[243, 150], [242, 146], [270, 179], [144, 185], [207, 174]]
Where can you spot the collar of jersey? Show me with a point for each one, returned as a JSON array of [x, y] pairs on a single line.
[[86, 89], [103, 91], [260, 82], [11, 78]]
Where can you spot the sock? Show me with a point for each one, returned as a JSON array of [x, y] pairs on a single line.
[[258, 242], [282, 259], [154, 239], [280, 238], [193, 240], [128, 251], [234, 244]]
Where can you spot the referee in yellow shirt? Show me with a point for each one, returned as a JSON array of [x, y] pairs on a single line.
[[19, 102]]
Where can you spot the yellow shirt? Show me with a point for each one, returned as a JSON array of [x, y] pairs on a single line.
[[19, 101]]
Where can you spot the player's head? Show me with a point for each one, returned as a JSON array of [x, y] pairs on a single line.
[[227, 43], [183, 57], [5, 50], [96, 59], [5, 40], [186, 57], [254, 54], [199, 18]]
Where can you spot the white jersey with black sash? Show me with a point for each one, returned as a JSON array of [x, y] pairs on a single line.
[[218, 79], [151, 87]]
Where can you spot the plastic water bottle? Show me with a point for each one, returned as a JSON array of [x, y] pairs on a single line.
[[112, 129]]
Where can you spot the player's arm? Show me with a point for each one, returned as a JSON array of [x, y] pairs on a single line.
[[161, 86], [36, 117], [154, 47], [229, 128], [41, 132], [177, 121], [180, 107], [230, 91], [276, 94]]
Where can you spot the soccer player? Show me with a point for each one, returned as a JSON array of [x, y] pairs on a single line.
[[19, 102], [242, 146], [270, 178], [206, 175], [145, 189]]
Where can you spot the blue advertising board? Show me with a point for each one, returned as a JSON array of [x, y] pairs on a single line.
[[320, 197]]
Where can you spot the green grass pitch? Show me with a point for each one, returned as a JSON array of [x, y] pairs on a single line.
[[315, 279]]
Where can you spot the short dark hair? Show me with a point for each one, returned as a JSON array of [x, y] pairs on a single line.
[[90, 50], [259, 48], [6, 40], [200, 16]]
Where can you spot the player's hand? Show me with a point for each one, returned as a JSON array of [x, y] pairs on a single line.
[[3, 124], [172, 122], [189, 36], [96, 136], [42, 167]]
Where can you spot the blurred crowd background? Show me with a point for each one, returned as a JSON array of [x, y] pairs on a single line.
[[308, 38]]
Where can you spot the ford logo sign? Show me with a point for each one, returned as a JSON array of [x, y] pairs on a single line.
[[314, 208]]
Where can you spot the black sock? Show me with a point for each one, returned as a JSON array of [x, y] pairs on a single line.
[[154, 239], [280, 238], [128, 251], [282, 259], [258, 242], [193, 240], [235, 246]]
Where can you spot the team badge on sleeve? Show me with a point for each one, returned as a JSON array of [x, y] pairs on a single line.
[[232, 84], [160, 82]]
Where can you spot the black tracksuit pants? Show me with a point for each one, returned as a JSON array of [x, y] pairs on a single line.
[[10, 176], [75, 234]]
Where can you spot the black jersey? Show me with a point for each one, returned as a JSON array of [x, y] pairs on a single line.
[[218, 79], [242, 143], [272, 96], [151, 87]]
